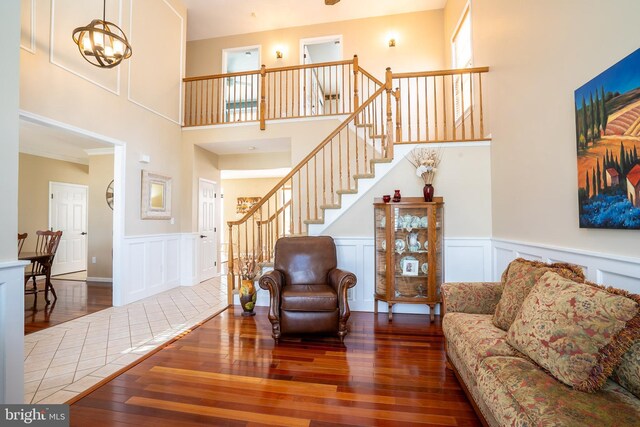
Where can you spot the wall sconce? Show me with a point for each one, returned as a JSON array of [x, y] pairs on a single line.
[[392, 42], [278, 54]]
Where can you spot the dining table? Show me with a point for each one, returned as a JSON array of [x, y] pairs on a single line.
[[44, 258]]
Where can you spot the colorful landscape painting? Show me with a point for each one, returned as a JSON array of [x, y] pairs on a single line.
[[608, 140]]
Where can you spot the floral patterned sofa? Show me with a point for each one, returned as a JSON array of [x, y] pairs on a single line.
[[543, 347]]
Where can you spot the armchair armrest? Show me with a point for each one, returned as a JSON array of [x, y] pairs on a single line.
[[273, 282], [471, 297], [341, 281]]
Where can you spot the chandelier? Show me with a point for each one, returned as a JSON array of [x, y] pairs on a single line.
[[102, 43]]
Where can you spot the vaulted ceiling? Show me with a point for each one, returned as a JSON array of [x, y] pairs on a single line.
[[217, 18]]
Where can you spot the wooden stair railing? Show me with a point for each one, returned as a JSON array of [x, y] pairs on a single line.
[[333, 168], [440, 106], [312, 90]]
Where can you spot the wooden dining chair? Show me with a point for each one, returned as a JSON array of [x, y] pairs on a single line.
[[47, 242], [21, 238]]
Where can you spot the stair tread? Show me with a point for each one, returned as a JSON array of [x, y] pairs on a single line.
[[381, 160], [364, 125], [334, 206], [378, 136], [348, 191], [364, 175], [314, 221]]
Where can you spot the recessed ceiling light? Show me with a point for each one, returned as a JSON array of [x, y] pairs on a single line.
[[248, 53], [251, 148]]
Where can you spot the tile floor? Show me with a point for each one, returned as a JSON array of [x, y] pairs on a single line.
[[66, 359]]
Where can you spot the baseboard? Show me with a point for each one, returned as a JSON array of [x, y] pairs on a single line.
[[100, 279]]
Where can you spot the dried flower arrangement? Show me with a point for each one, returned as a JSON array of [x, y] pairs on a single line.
[[426, 162], [247, 268]]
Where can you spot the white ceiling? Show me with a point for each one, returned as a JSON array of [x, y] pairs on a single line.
[[56, 143], [217, 18]]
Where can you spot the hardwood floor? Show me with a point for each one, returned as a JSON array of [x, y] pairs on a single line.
[[75, 299], [229, 372]]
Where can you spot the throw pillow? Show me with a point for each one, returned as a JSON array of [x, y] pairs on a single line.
[[517, 281], [627, 374], [576, 331]]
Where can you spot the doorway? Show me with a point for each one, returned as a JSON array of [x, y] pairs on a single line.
[[44, 141], [68, 213], [241, 92], [207, 197], [321, 95]]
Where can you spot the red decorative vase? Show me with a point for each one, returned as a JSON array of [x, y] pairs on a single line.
[[427, 192], [396, 196]]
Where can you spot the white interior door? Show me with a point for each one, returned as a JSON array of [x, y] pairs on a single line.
[[207, 228], [68, 213]]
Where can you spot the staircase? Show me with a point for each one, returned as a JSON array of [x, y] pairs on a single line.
[[376, 135]]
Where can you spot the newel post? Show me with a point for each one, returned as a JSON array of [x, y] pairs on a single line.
[[231, 282], [263, 103], [389, 126], [356, 70]]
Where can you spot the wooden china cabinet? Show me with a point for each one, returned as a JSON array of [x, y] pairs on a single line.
[[409, 249]]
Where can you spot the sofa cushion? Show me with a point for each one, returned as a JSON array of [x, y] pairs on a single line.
[[627, 373], [518, 279], [471, 297], [519, 393], [474, 337], [577, 331], [309, 298]]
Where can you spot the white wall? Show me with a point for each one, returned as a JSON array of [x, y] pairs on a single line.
[[539, 53], [138, 102], [463, 179], [11, 272]]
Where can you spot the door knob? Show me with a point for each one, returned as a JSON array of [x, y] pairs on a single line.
[[84, 233], [202, 236]]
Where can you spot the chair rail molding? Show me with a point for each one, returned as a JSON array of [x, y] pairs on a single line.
[[608, 269], [12, 331]]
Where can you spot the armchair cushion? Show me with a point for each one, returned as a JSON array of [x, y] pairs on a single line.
[[309, 298], [305, 260]]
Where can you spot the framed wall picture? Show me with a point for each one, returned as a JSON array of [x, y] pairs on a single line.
[[608, 141], [244, 204], [410, 267], [156, 196]]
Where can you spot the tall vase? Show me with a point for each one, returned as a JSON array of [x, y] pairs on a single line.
[[248, 296], [427, 192]]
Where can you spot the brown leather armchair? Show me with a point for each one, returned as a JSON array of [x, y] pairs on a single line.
[[308, 293]]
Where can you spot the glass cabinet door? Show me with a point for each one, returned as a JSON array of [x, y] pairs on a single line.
[[380, 227], [411, 249]]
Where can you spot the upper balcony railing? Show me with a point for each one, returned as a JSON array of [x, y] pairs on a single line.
[[324, 89]]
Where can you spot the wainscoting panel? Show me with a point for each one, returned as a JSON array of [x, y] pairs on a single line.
[[465, 260], [12, 331], [153, 265], [189, 253], [613, 270]]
